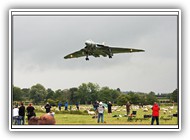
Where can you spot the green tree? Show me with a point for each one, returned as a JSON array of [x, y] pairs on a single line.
[[114, 95], [142, 98], [66, 96], [174, 95], [26, 93], [135, 98], [88, 92], [82, 92], [59, 95], [73, 95], [94, 88], [123, 99], [151, 98], [38, 93], [106, 94], [17, 94], [50, 94]]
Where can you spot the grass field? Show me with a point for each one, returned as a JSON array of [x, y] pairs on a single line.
[[67, 118]]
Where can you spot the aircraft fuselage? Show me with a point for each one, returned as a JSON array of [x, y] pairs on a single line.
[[97, 49], [93, 49]]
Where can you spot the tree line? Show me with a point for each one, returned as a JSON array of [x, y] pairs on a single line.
[[86, 93]]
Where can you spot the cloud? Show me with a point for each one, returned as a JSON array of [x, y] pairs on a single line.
[[41, 42]]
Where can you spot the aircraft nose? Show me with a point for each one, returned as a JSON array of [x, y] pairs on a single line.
[[88, 42]]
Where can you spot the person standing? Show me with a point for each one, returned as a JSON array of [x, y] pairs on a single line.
[[21, 114], [30, 111], [128, 107], [15, 115], [66, 106], [100, 111], [155, 113], [47, 107], [96, 105], [59, 105], [109, 107], [77, 106]]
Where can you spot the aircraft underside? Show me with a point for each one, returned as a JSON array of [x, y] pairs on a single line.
[[98, 53], [97, 50]]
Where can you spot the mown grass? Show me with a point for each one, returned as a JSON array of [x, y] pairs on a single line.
[[65, 118]]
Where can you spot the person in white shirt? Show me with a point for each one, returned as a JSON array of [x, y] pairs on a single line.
[[100, 110], [15, 115]]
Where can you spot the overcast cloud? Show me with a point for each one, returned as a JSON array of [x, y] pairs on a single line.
[[41, 42]]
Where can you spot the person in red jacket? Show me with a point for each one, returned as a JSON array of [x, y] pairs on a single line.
[[155, 113]]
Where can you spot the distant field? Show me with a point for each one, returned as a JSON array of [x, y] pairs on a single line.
[[67, 118]]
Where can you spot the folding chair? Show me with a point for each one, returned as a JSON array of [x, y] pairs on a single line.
[[132, 115]]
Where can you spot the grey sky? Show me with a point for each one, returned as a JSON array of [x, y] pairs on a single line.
[[41, 42]]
